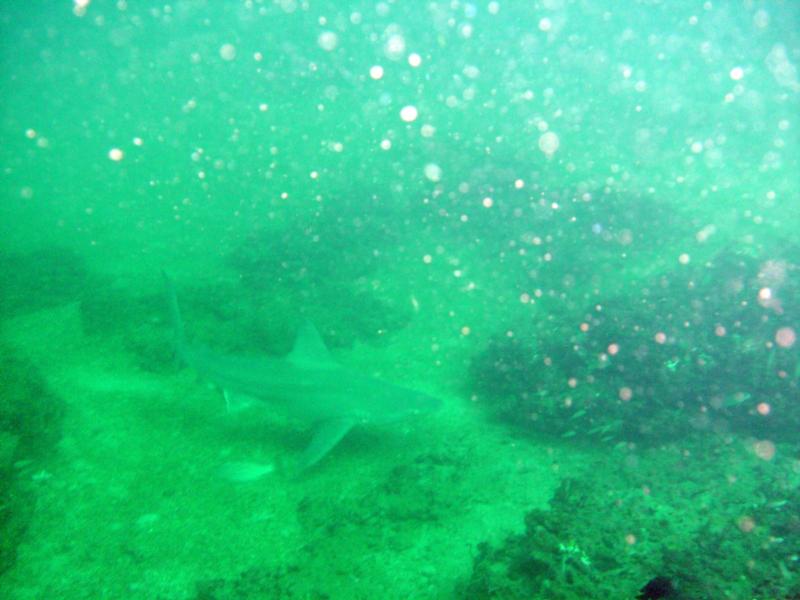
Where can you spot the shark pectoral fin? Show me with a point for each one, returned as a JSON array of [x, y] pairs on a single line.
[[326, 435]]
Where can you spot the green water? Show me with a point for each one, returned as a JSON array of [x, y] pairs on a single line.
[[574, 222]]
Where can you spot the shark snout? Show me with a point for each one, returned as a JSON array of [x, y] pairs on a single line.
[[426, 403]]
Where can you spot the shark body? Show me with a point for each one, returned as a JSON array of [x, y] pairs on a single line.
[[307, 383]]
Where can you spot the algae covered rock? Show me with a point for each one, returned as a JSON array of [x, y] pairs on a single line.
[[41, 279], [30, 427]]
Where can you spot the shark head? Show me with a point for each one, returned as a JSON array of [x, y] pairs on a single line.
[[398, 403], [423, 403]]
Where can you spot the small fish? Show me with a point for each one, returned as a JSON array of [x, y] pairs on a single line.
[[242, 472], [414, 303], [736, 399]]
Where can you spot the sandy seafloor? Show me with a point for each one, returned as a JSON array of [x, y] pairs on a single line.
[[133, 506]]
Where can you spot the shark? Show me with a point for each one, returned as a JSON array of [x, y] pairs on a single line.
[[307, 383]]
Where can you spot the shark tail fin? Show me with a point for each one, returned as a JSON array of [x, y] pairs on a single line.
[[179, 338]]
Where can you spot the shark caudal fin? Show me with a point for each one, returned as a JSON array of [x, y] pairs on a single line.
[[178, 336]]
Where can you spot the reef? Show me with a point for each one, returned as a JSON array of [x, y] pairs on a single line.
[[694, 350], [610, 535], [328, 272], [40, 279]]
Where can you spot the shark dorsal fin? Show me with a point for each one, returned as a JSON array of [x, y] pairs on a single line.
[[308, 346]]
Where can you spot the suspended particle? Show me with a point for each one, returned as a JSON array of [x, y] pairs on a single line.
[[548, 143], [409, 113]]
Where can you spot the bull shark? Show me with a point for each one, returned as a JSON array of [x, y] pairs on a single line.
[[307, 383]]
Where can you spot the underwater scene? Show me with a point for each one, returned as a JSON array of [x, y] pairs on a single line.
[[400, 299]]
